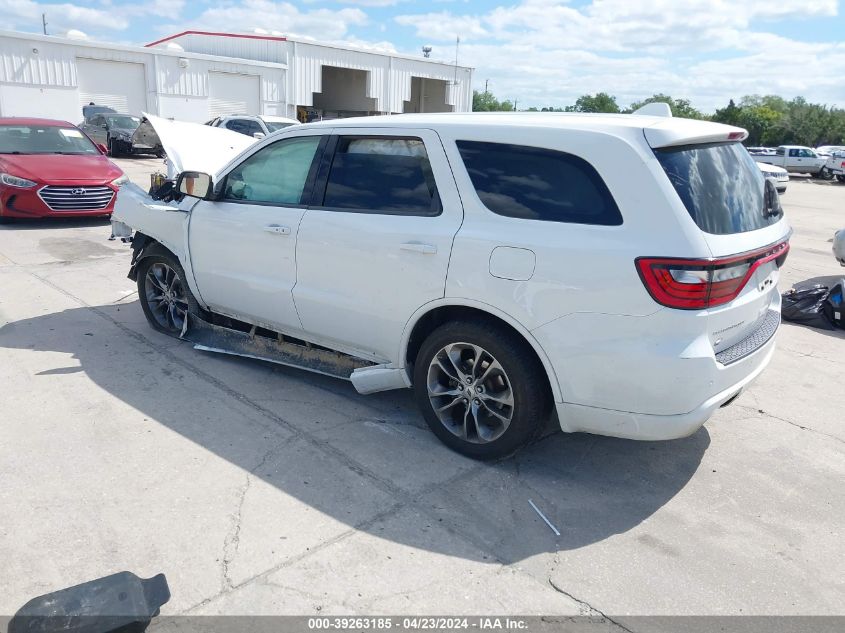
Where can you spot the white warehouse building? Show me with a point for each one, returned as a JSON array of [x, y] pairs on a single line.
[[196, 76]]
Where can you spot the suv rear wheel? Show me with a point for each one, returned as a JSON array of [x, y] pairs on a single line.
[[481, 389], [165, 297]]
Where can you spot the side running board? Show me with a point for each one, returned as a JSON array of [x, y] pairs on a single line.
[[272, 347]]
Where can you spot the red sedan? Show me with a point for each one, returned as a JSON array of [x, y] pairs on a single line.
[[51, 169]]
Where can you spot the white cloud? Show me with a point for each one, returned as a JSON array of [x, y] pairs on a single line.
[[547, 52], [60, 17], [324, 24], [371, 3], [445, 26]]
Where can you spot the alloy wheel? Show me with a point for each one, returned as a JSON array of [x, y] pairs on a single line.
[[166, 296], [470, 393]]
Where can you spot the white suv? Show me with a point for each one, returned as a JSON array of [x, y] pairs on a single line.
[[619, 269], [253, 125]]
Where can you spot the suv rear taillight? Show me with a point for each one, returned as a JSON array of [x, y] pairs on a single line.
[[694, 284]]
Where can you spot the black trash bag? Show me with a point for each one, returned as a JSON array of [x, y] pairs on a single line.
[[807, 306], [834, 305]]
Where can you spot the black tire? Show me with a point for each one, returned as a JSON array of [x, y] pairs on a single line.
[[825, 174], [528, 389], [164, 318], [840, 178]]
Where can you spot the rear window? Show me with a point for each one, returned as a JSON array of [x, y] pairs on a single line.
[[382, 175], [532, 183], [721, 187]]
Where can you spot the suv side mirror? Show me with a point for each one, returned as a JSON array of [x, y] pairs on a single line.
[[103, 148], [258, 135], [194, 184]]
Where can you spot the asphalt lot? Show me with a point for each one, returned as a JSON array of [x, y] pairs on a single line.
[[259, 489]]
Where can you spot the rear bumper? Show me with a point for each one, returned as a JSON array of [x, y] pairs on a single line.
[[649, 377], [643, 426]]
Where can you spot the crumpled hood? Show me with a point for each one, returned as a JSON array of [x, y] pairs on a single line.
[[191, 146], [55, 168]]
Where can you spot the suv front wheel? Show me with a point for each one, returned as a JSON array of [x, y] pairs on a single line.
[[165, 297], [481, 389]]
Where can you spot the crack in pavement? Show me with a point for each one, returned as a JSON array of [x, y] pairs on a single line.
[[587, 608], [790, 422], [233, 538]]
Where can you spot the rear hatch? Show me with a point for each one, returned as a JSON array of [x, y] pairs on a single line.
[[742, 222]]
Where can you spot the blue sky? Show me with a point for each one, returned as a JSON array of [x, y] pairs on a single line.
[[541, 52]]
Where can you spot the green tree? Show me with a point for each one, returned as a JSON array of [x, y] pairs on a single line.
[[600, 102], [729, 115], [487, 102], [762, 123]]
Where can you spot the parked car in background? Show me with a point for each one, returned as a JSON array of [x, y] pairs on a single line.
[[778, 175], [839, 246], [92, 108], [251, 125], [115, 132], [795, 159], [511, 266], [835, 165], [828, 150], [51, 168], [758, 151]]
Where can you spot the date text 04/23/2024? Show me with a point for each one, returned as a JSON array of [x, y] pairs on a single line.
[[417, 623]]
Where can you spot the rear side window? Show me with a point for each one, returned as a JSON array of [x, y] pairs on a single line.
[[382, 175], [721, 187], [538, 184], [244, 126]]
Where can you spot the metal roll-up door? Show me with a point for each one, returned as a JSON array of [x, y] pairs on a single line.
[[119, 85], [230, 93]]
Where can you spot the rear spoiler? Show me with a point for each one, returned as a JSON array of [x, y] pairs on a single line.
[[673, 132]]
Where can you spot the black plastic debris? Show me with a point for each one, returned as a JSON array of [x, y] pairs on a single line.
[[817, 306], [120, 603], [834, 306]]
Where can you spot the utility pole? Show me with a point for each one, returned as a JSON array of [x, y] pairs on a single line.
[[515, 101], [485, 85], [44, 23], [457, 45]]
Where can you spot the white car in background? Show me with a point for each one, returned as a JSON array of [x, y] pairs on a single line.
[[253, 125], [795, 159], [620, 270], [839, 246], [779, 175], [835, 165]]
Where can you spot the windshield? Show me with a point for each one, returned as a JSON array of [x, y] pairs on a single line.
[[276, 126], [721, 187], [44, 139], [123, 121]]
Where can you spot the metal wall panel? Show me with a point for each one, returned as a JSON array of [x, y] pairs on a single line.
[[306, 74], [37, 63]]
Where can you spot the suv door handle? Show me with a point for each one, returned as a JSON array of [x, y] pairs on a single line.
[[419, 247], [277, 229]]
